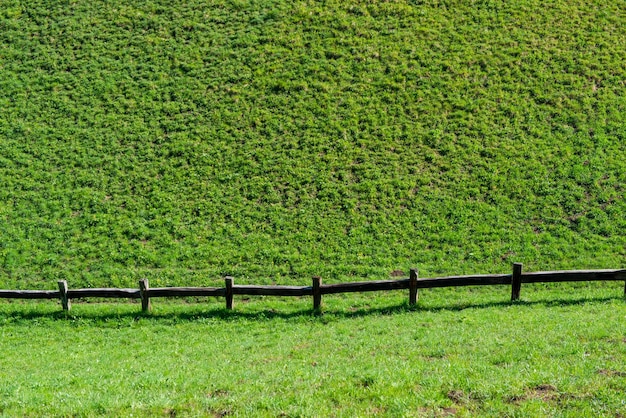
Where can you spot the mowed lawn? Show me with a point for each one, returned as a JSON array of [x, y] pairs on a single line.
[[559, 352]]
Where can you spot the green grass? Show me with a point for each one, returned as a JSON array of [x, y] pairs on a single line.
[[559, 352], [275, 140]]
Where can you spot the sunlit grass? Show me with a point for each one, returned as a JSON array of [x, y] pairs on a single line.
[[274, 140], [468, 351]]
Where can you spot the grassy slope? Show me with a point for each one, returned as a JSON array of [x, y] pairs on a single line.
[[276, 140]]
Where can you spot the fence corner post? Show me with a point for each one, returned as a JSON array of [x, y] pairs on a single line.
[[317, 293], [144, 287], [228, 283], [516, 281], [413, 295], [65, 301]]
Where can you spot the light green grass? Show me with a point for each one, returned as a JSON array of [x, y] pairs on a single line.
[[560, 352]]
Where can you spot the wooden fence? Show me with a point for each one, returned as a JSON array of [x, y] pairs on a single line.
[[317, 289]]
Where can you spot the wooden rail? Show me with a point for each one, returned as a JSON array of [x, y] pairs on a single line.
[[29, 294], [317, 289]]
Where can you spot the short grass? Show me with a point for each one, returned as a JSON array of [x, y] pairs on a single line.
[[465, 352], [276, 140]]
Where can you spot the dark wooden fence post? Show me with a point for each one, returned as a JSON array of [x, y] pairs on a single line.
[[144, 286], [65, 302], [317, 293], [413, 295], [516, 281], [228, 282]]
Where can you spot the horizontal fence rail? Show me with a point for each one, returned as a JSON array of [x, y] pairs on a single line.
[[104, 293], [370, 286], [317, 289], [29, 294], [573, 276], [168, 292], [457, 281], [273, 290]]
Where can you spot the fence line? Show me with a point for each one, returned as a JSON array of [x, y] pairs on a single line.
[[317, 289]]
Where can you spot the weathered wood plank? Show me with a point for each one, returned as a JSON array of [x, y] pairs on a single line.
[[516, 281], [413, 295], [144, 287], [29, 294], [371, 286], [165, 292], [573, 276], [455, 281], [104, 293], [272, 290], [65, 301], [228, 282], [317, 293]]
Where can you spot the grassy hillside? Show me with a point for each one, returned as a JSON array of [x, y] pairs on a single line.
[[274, 140]]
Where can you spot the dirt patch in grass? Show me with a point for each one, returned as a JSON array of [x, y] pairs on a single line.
[[607, 372], [543, 392], [458, 396], [218, 393], [438, 412], [449, 411]]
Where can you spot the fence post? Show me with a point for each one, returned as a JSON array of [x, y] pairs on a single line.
[[65, 302], [413, 295], [144, 286], [516, 281], [228, 282], [317, 293]]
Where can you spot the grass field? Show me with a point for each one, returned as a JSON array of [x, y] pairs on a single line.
[[277, 140], [560, 352]]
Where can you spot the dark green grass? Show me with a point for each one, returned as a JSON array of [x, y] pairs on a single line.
[[276, 140], [559, 352]]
